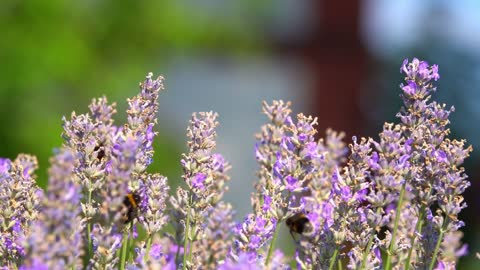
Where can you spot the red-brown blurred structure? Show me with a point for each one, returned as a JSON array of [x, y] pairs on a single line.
[[338, 63]]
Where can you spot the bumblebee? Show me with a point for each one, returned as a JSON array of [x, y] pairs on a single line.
[[100, 151], [130, 203], [299, 223]]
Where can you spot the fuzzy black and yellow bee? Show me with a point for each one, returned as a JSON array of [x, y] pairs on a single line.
[[299, 223], [130, 203]]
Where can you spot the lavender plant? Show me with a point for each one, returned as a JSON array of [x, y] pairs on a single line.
[[19, 203], [204, 175], [390, 203]]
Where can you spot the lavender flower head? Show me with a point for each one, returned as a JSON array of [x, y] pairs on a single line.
[[287, 154], [386, 203], [394, 184], [100, 164], [19, 206], [441, 180], [153, 194], [56, 240], [205, 177]]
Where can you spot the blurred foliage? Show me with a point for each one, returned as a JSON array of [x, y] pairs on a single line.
[[57, 55]]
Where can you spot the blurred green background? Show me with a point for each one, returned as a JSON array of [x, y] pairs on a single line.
[[57, 55], [339, 62]]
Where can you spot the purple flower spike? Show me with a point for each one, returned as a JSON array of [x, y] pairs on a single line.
[[205, 177], [19, 207], [57, 238], [376, 203]]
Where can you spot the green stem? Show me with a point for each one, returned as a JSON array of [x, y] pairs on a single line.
[[439, 241], [272, 244], [123, 254], [369, 245], [89, 227], [418, 228], [339, 265], [367, 251], [187, 235], [388, 265], [149, 245], [190, 250], [130, 243], [333, 259]]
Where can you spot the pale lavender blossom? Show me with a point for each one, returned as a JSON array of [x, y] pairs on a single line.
[[386, 203], [19, 207], [205, 177], [108, 159], [153, 193], [108, 163], [161, 255], [435, 171], [217, 240], [287, 154], [106, 243], [413, 166], [243, 261], [340, 217], [251, 261], [57, 239]]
